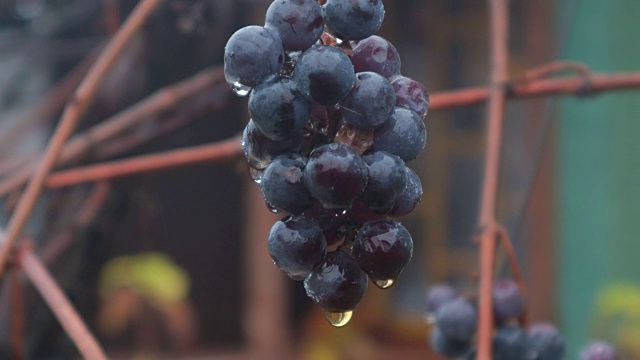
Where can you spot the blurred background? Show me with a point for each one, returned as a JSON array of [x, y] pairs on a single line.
[[173, 264]]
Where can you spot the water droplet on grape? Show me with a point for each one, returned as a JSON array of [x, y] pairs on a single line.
[[272, 208], [256, 175], [384, 284], [339, 41], [241, 89], [338, 319]]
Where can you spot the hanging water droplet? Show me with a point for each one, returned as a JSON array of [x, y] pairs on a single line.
[[272, 208], [256, 175], [241, 89], [338, 319], [384, 284]]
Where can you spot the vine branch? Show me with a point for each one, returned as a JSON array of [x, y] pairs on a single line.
[[499, 23]]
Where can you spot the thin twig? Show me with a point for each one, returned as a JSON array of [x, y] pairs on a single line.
[[188, 156], [59, 304], [499, 20], [516, 270], [76, 107], [555, 67], [210, 80]]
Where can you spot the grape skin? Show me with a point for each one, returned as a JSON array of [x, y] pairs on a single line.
[[324, 74], [278, 109], [457, 319], [376, 54], [335, 175], [370, 102], [599, 350], [387, 180], [383, 249], [510, 342], [403, 135], [410, 197], [448, 347], [411, 94], [296, 245], [298, 22], [545, 342], [508, 302], [251, 55], [353, 19], [282, 185], [338, 284], [438, 295]]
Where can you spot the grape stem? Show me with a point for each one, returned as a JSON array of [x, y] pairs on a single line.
[[516, 271], [499, 60]]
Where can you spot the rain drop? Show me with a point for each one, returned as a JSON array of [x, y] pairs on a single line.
[[384, 284], [338, 319], [241, 89]]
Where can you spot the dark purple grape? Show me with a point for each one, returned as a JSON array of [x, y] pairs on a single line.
[[298, 22], [382, 249], [457, 319], [411, 94], [259, 150], [509, 343], [251, 55], [370, 102], [282, 185], [387, 180], [335, 175], [448, 347], [403, 135], [338, 284], [599, 350], [296, 245], [278, 109], [353, 19], [410, 196], [508, 302], [324, 74], [439, 294], [545, 343], [378, 55]]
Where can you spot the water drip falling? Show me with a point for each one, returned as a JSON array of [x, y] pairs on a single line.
[[256, 175], [241, 89], [384, 284], [338, 319]]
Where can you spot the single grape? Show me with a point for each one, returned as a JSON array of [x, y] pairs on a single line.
[[448, 347], [370, 102], [282, 185], [599, 350], [378, 55], [457, 319], [403, 135], [252, 54], [410, 197], [324, 74], [411, 94], [338, 284], [259, 150], [353, 19], [509, 343], [298, 22], [383, 249], [438, 295], [335, 175], [508, 302], [278, 109], [545, 343], [296, 245]]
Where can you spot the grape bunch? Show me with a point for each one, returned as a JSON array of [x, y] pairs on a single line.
[[333, 123], [455, 319]]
